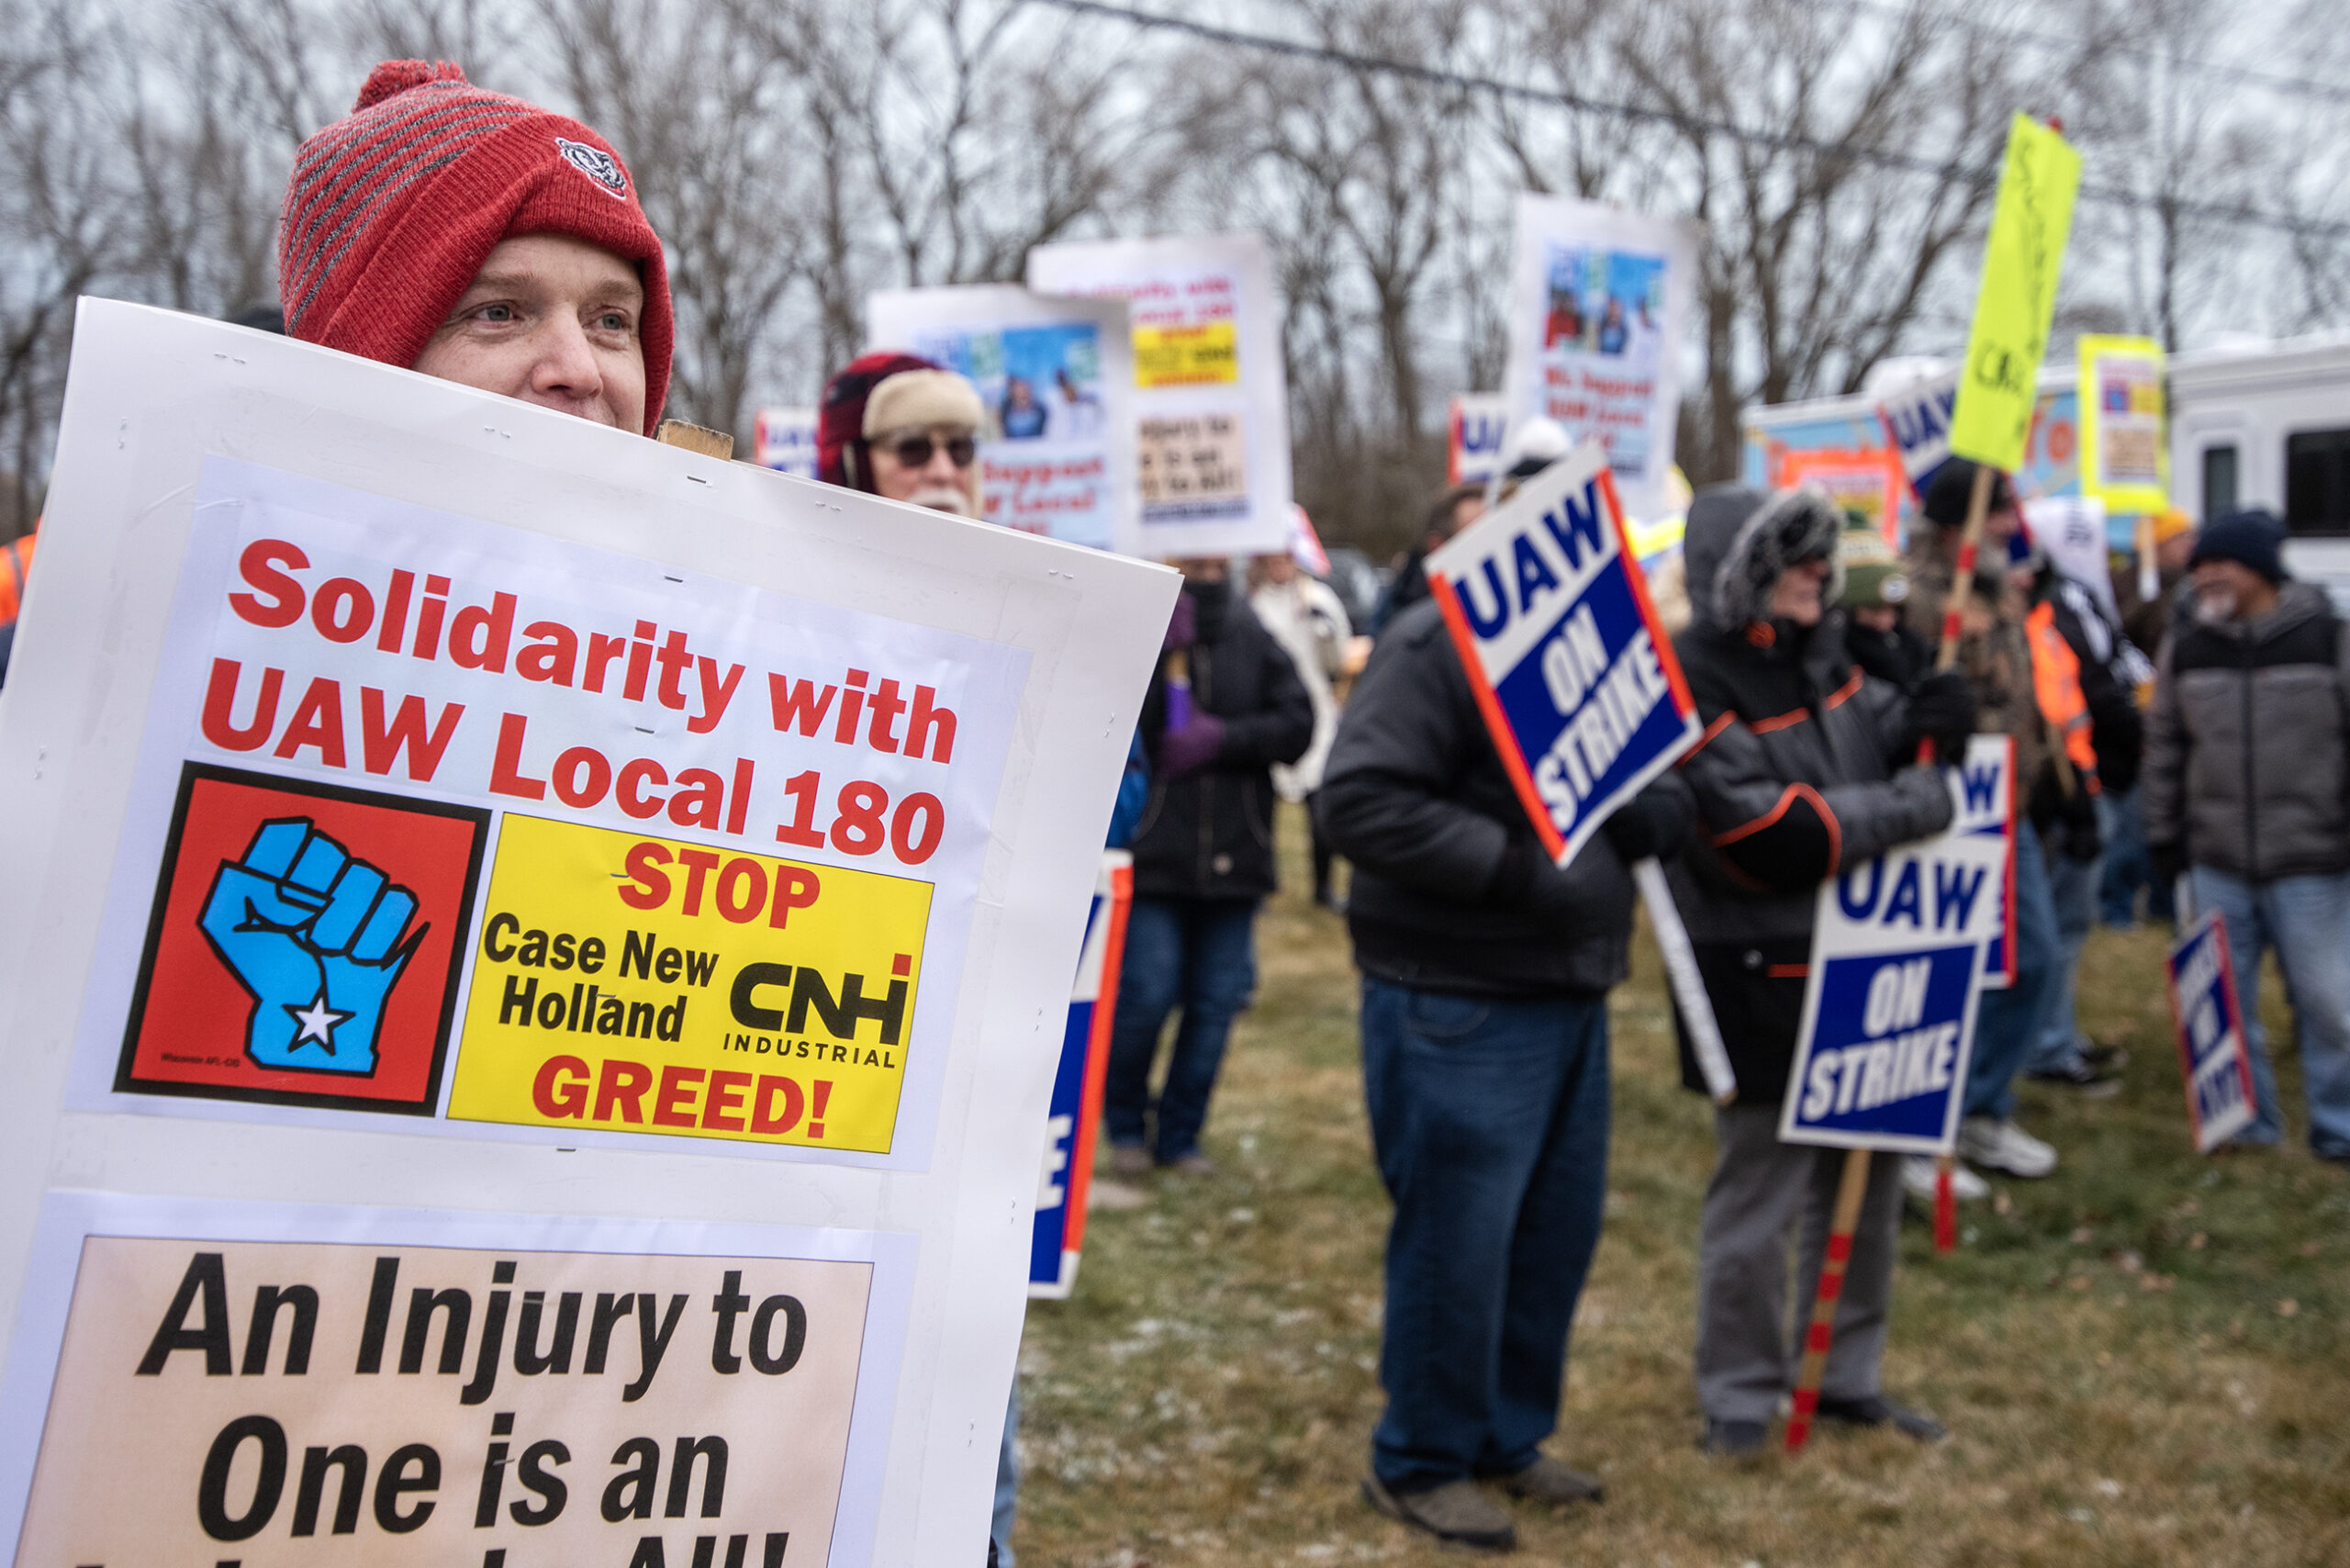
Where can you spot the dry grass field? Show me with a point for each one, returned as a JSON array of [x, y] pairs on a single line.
[[2143, 1358]]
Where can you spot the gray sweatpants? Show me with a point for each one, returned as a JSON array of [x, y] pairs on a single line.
[[1762, 1189]]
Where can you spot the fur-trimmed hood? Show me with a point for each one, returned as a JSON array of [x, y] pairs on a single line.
[[1739, 540]]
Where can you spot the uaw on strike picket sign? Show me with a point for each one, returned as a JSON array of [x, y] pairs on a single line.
[[1899, 951], [533, 983], [1066, 1178], [1573, 670], [2212, 1053]]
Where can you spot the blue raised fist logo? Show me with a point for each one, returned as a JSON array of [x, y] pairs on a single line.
[[318, 940]]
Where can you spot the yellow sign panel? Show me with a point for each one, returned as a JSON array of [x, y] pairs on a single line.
[[1187, 356], [2125, 461], [2018, 299], [638, 984]]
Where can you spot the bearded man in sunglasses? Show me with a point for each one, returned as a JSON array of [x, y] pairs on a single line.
[[900, 427]]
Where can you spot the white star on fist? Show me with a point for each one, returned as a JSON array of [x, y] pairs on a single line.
[[318, 1020]]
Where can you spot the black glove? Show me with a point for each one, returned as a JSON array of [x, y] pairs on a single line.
[[1941, 710], [2078, 837], [2169, 862], [1652, 823], [1526, 880]]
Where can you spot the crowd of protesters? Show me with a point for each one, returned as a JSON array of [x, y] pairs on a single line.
[[2200, 731]]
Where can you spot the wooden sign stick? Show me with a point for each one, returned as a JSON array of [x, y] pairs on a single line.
[[1822, 1332], [1978, 508]]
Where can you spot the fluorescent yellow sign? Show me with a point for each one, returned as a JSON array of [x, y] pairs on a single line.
[[2125, 459], [639, 984], [2018, 298], [1187, 356]]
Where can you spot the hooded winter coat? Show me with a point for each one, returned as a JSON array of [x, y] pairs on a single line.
[[1803, 769], [2248, 746]]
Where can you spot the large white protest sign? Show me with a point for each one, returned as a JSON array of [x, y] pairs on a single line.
[[1598, 299], [1889, 1003], [1057, 453], [1572, 669], [1210, 398], [552, 913]]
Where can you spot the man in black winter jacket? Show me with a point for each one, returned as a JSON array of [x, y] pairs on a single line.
[[1806, 767], [1486, 971], [1228, 706]]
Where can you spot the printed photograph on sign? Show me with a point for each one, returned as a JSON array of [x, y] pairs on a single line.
[[1037, 382], [305, 946], [1598, 296], [651, 984], [1600, 339], [1210, 399], [367, 1401], [1055, 380]]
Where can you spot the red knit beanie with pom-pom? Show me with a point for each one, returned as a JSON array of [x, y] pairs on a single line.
[[390, 213]]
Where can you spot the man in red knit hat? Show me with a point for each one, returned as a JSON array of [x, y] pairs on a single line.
[[903, 429], [480, 238]]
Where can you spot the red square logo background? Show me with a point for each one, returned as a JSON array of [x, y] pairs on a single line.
[[189, 1013]]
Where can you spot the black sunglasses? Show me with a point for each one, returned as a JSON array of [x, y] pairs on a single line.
[[915, 451]]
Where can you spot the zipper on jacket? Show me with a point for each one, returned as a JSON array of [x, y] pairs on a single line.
[[2251, 795], [1202, 686]]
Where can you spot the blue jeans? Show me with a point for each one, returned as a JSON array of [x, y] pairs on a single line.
[[1007, 1480], [2307, 919], [1196, 953], [2006, 1022], [1490, 1123], [2072, 892], [2128, 867]]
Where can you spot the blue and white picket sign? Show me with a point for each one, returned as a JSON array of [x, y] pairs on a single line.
[[2212, 1052], [1917, 421], [1888, 1008], [1475, 428], [1067, 1176], [1986, 805], [1572, 669]]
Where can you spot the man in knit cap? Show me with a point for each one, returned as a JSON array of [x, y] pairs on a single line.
[[480, 238], [2246, 778], [898, 426]]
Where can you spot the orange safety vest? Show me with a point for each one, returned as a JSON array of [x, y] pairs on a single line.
[[2057, 687], [16, 559]]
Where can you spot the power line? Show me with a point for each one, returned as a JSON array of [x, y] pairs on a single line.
[[1729, 130], [2305, 86]]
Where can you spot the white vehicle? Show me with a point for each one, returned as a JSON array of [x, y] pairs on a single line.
[[2267, 424]]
